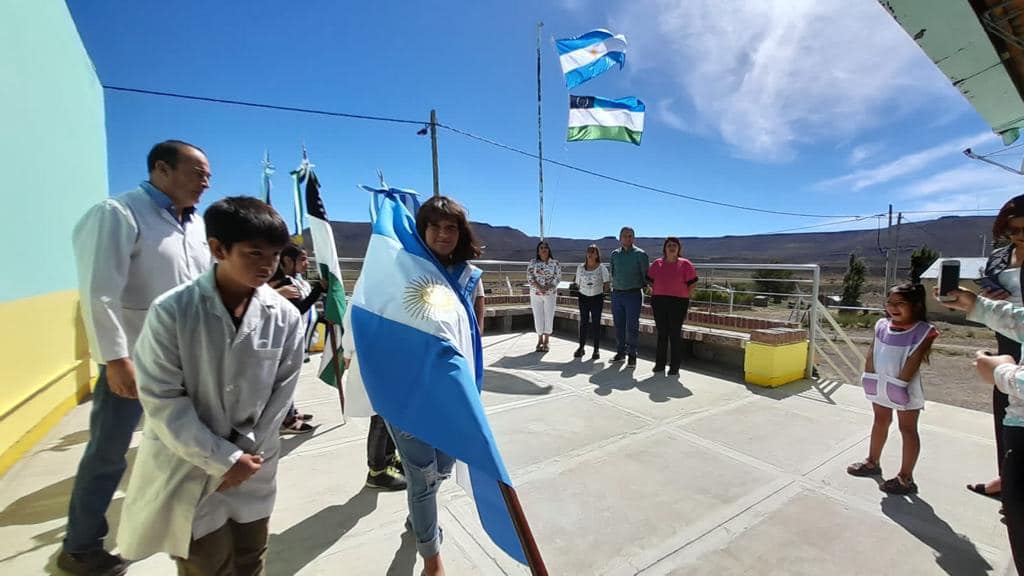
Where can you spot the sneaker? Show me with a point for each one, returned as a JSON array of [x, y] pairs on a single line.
[[387, 479], [579, 352], [632, 360], [619, 357], [596, 355], [396, 463], [92, 563]]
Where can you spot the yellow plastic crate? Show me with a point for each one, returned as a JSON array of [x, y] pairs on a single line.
[[771, 366]]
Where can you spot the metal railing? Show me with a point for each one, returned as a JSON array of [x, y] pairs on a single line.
[[746, 289]]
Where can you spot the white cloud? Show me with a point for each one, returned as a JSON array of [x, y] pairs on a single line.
[[973, 178], [668, 116], [771, 75], [908, 164], [966, 201], [862, 152]]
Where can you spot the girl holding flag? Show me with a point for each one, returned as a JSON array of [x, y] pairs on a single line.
[[443, 226]]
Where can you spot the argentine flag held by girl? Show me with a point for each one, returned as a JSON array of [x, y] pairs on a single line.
[[417, 346]]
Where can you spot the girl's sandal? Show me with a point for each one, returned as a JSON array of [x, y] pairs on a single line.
[[864, 469], [898, 486]]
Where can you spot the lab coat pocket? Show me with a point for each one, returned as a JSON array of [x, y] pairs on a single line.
[[257, 372]]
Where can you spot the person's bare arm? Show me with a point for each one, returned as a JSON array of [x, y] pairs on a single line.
[[478, 307], [869, 359], [913, 363]]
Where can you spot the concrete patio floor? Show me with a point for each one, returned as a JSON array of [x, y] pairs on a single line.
[[619, 471]]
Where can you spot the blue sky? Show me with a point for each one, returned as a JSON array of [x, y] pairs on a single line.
[[821, 107]]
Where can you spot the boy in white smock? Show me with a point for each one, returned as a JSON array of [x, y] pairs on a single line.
[[216, 364]]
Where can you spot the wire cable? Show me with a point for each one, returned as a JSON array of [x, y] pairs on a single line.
[[302, 110], [848, 221], [636, 184], [266, 106]]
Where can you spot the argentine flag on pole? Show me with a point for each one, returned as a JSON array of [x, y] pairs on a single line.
[[419, 357], [327, 261], [596, 118], [590, 55]]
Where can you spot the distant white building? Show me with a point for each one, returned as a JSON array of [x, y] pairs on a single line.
[[971, 268]]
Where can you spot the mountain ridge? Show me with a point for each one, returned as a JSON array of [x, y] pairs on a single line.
[[949, 235]]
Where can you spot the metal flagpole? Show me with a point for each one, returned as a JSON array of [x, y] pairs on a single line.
[[540, 146], [433, 149]]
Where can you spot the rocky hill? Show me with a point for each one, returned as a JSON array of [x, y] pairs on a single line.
[[950, 236]]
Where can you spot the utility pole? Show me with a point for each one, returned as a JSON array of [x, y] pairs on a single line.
[[433, 149], [888, 252], [896, 261]]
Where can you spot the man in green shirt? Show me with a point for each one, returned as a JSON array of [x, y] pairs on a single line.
[[629, 276]]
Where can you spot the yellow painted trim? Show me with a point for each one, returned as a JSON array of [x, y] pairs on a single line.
[[37, 432], [45, 368], [46, 386]]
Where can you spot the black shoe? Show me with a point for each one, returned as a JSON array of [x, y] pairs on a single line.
[[387, 479], [619, 357], [673, 372], [632, 360], [396, 463], [659, 368], [92, 563], [579, 352], [596, 355]]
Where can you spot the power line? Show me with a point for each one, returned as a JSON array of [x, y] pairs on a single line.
[[857, 219], [265, 106], [922, 229], [489, 141], [961, 211], [467, 134], [638, 185]]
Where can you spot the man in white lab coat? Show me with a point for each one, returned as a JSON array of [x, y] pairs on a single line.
[[217, 363], [129, 249]]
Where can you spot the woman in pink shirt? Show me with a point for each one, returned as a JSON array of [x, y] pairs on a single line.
[[671, 277]]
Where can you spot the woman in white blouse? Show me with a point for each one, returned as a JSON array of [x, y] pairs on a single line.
[[592, 278], [543, 273]]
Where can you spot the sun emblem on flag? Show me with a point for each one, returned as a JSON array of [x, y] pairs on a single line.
[[427, 298]]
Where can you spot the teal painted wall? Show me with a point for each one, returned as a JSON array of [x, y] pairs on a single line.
[[53, 153]]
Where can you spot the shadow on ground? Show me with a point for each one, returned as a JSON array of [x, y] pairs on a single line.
[[955, 554], [504, 383], [291, 550]]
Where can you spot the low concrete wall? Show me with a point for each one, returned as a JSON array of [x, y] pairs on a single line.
[[715, 345]]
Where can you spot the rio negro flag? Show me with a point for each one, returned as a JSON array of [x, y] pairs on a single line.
[[596, 118], [419, 356], [327, 261]]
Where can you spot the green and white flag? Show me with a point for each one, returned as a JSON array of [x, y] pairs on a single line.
[[326, 252], [596, 118]]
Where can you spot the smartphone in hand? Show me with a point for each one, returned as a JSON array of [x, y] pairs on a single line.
[[949, 279]]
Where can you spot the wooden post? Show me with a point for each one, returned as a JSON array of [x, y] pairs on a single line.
[[433, 149], [336, 360], [515, 510]]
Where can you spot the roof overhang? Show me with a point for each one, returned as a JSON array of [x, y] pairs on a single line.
[[979, 46]]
